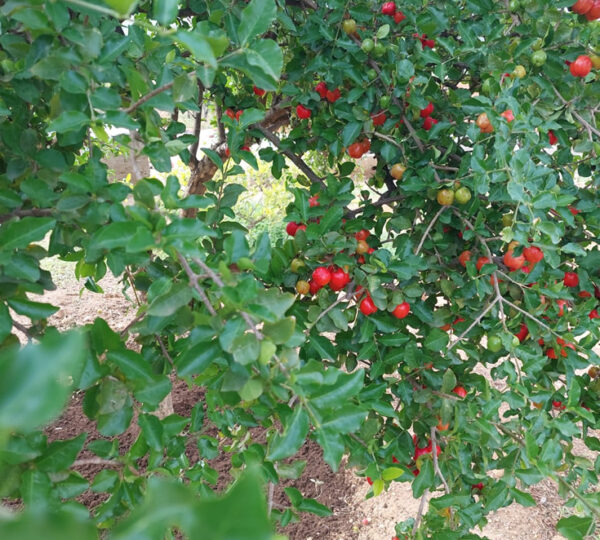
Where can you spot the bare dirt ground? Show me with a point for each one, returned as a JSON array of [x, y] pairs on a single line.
[[354, 517]]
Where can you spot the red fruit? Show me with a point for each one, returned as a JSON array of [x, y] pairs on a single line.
[[594, 314], [533, 254], [552, 138], [230, 113], [460, 391], [427, 111], [581, 67], [478, 486], [584, 294], [379, 118], [367, 307], [428, 43], [481, 261], [339, 279], [238, 114], [321, 276], [574, 210], [594, 13], [356, 150], [259, 91], [582, 6], [401, 310], [428, 123], [458, 320], [464, 257], [313, 201], [369, 481], [302, 112], [522, 333], [571, 279], [291, 228], [508, 115], [394, 460], [389, 8], [399, 17], [363, 234], [514, 263], [527, 268], [227, 152], [550, 353], [314, 287], [332, 97], [365, 145], [245, 148], [558, 404], [321, 89]]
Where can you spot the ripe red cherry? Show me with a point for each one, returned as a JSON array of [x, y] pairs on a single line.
[[584, 294], [533, 254], [291, 228], [230, 113], [367, 307], [427, 111], [581, 67], [339, 279], [571, 279], [363, 234], [356, 150], [481, 261], [302, 112], [561, 307], [401, 310], [558, 404], [321, 89], [321, 276], [460, 391], [478, 486], [259, 91], [594, 13], [514, 263], [428, 123], [313, 201], [314, 287], [389, 8], [464, 257], [552, 138], [238, 114], [399, 17], [508, 115], [522, 333], [333, 96], [594, 314], [582, 6], [369, 481], [379, 118]]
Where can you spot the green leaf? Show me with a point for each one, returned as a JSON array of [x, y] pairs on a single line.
[[351, 132], [122, 7], [168, 303], [378, 486], [34, 310], [60, 455], [198, 44], [262, 63], [246, 349], [293, 436], [69, 121], [346, 386], [252, 389], [276, 302], [391, 473], [436, 340], [36, 380], [448, 381], [256, 19], [281, 331], [165, 11], [5, 322], [169, 503], [152, 430], [19, 234], [314, 507], [49, 526], [424, 479], [345, 419], [576, 527], [195, 360]]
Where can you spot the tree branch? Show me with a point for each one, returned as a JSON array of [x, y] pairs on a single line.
[[31, 212], [429, 227], [295, 159], [436, 465], [194, 283], [148, 97], [473, 324]]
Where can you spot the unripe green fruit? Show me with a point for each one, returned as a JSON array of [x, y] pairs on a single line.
[[372, 74], [486, 87], [462, 195], [296, 265], [515, 341], [538, 58], [367, 45], [537, 44], [379, 49], [514, 5], [349, 26], [519, 72], [494, 343], [384, 102], [507, 219]]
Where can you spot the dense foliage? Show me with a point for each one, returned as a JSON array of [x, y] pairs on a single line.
[[436, 328]]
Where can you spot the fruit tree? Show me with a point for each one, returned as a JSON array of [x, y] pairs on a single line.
[[434, 325]]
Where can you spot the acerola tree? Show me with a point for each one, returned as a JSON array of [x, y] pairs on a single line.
[[426, 340]]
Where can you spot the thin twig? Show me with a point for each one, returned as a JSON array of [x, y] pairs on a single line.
[[24, 330], [194, 283], [135, 320], [164, 350], [148, 97], [473, 324], [270, 504], [436, 465], [32, 212], [346, 296], [428, 229], [419, 515], [294, 158]]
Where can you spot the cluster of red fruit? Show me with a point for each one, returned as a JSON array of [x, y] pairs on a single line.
[[589, 8], [330, 95], [389, 8], [424, 41], [358, 149], [428, 120]]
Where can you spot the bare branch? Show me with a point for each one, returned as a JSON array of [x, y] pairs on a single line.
[[31, 212], [436, 465], [429, 227], [148, 97], [295, 159], [194, 283], [419, 515], [473, 324]]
